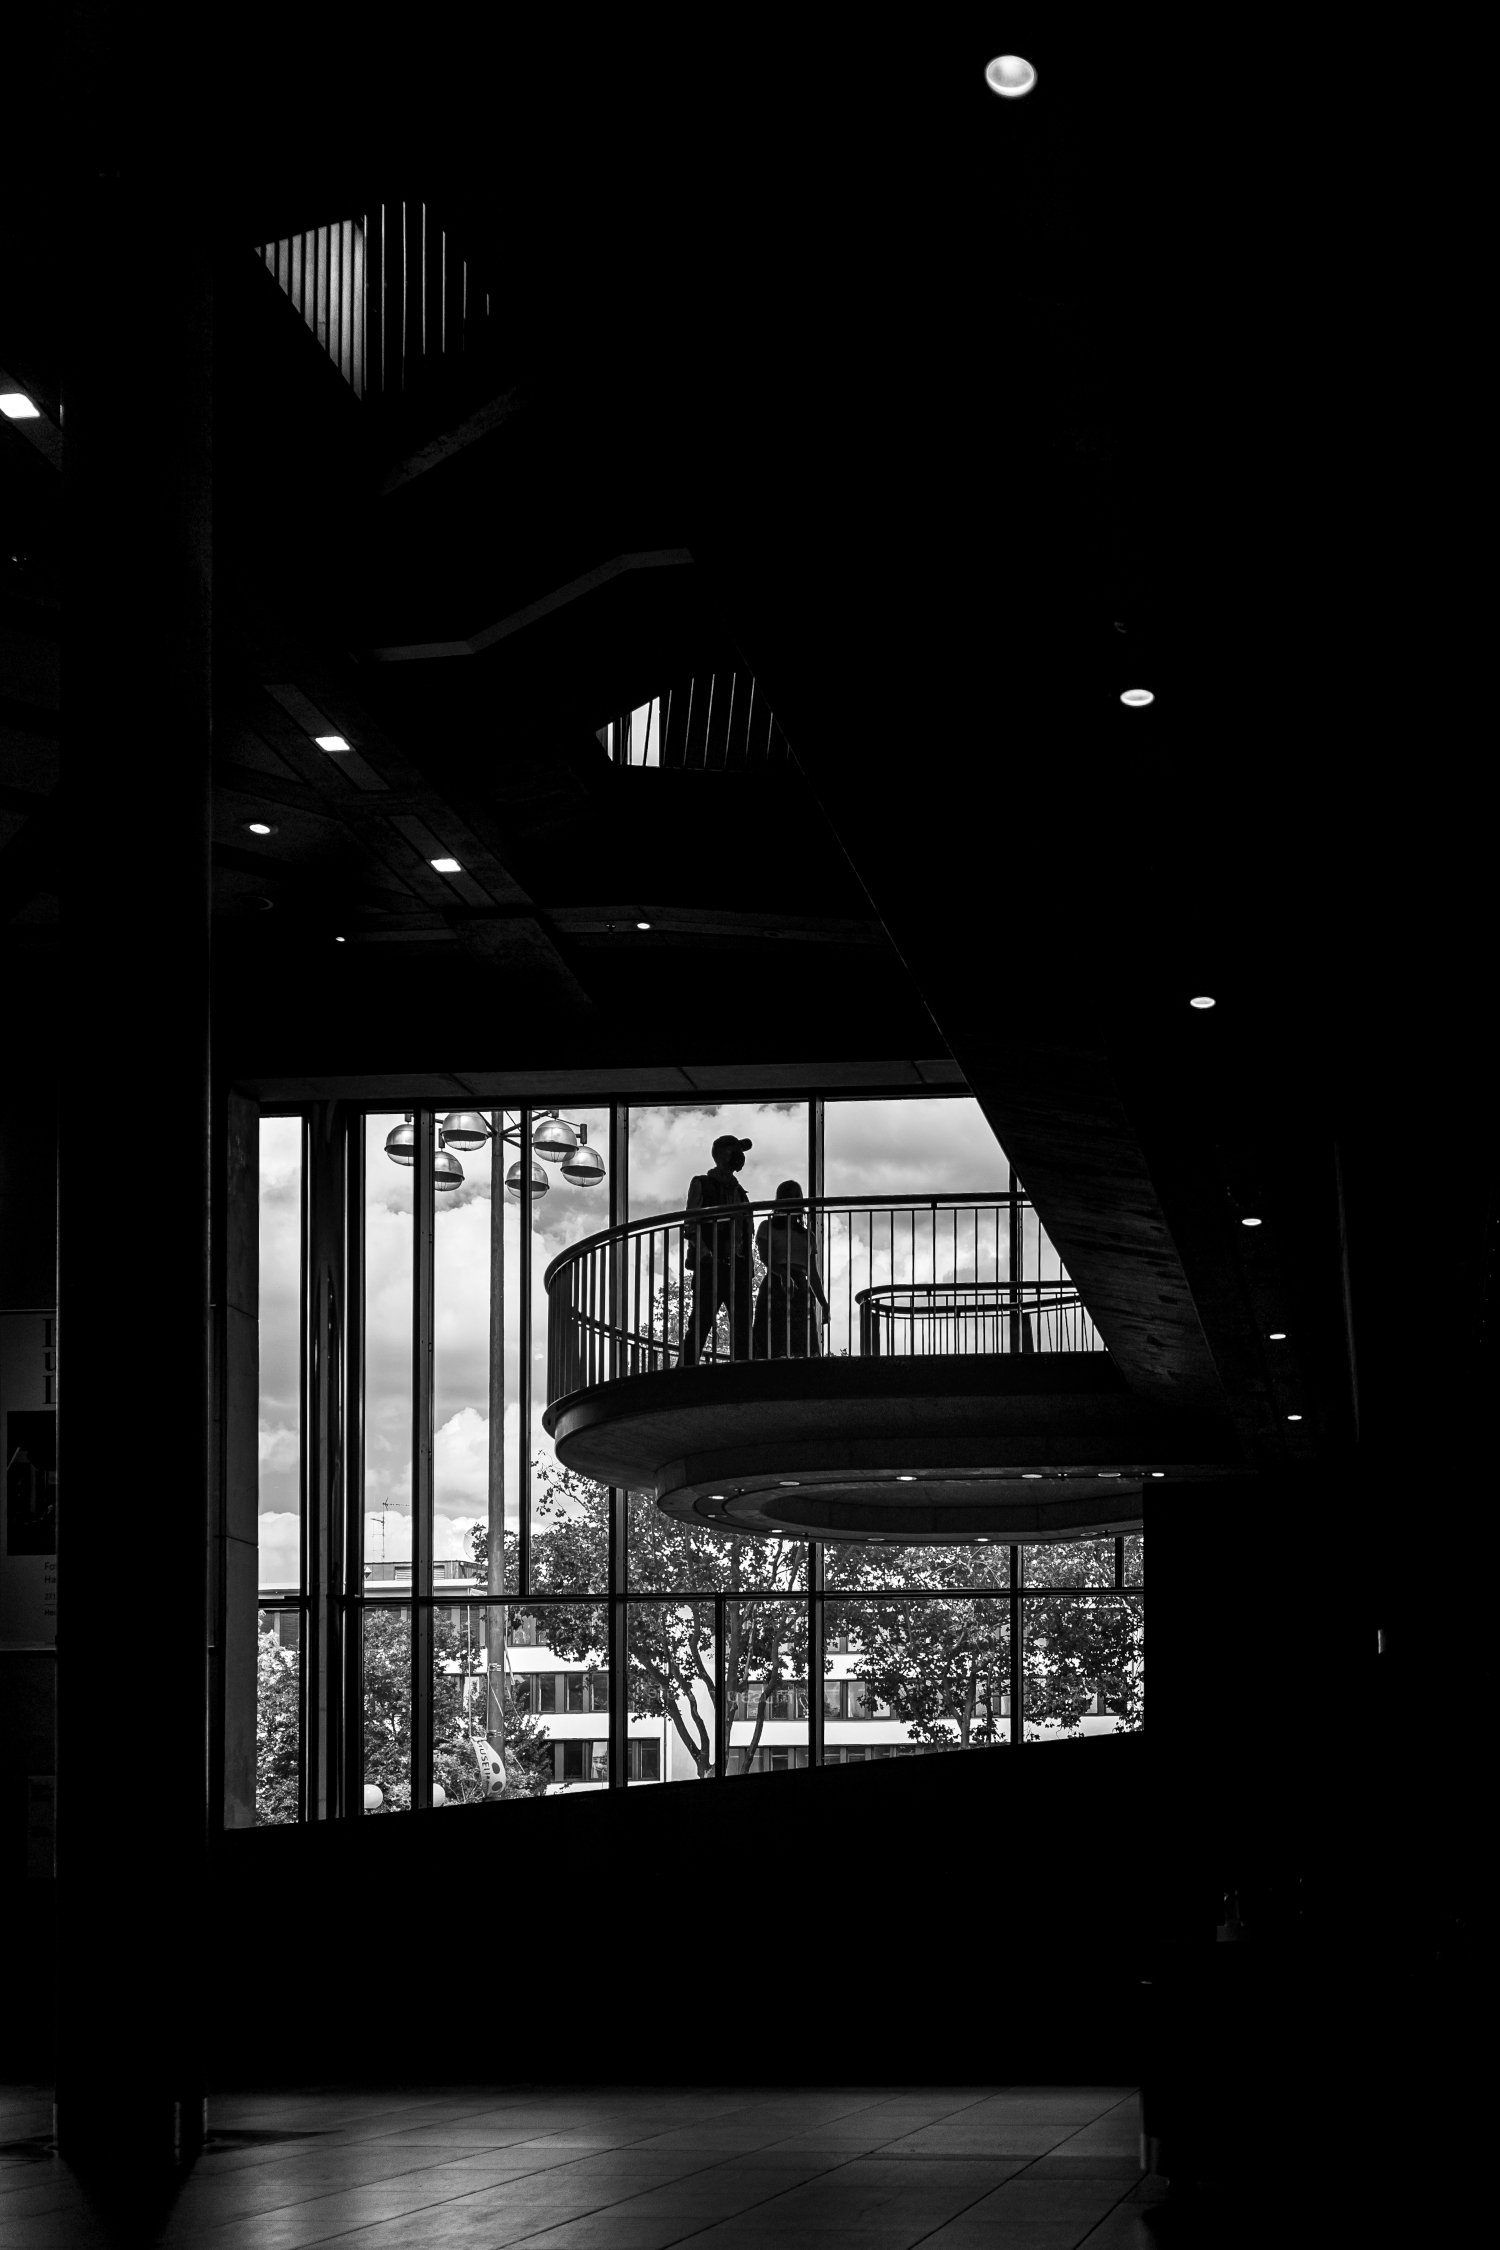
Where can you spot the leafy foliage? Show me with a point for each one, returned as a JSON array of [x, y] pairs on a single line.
[[278, 1732]]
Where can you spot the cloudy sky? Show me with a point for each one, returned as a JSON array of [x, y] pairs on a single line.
[[871, 1148]]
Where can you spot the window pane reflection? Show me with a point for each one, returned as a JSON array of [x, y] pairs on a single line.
[[667, 1556], [557, 1667], [469, 1483], [850, 1565], [765, 1679], [673, 1717], [932, 1675], [1084, 1664], [389, 1206], [386, 1666], [569, 1531], [1069, 1562], [278, 1717], [279, 1505]]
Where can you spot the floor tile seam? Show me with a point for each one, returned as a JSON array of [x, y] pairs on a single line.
[[462, 2195], [1123, 2196], [305, 2202], [760, 2205], [954, 2217]]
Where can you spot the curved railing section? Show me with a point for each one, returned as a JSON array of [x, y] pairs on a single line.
[[888, 1277]]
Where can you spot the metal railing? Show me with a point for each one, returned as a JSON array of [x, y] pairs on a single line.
[[905, 1320], [842, 1277]]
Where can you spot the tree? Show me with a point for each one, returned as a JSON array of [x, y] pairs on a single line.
[[942, 1665], [387, 1704], [278, 1733], [669, 1636]]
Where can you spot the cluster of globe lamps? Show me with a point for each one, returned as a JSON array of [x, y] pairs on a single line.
[[553, 1140]]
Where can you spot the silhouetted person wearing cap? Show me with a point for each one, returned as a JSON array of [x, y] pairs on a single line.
[[786, 1324], [719, 1256]]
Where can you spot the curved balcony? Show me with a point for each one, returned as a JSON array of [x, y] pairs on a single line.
[[852, 1368]]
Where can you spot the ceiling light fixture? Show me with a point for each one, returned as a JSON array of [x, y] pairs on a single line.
[[1009, 76], [17, 407], [788, 1480], [1031, 1476], [1249, 1222], [1277, 1336], [1203, 1000], [1137, 697], [330, 742], [1294, 1417], [340, 941], [1158, 1472], [904, 1479], [447, 867], [260, 828], [643, 925]]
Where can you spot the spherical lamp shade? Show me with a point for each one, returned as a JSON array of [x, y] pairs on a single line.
[[401, 1143], [585, 1167], [374, 1797], [447, 1172], [539, 1181], [465, 1129], [553, 1140]]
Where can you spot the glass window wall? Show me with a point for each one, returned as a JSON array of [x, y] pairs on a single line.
[[716, 1640]]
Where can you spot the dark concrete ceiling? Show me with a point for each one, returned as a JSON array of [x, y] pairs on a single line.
[[969, 415]]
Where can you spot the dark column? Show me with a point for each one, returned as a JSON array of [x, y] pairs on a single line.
[[423, 1438], [132, 1960], [323, 1423], [619, 1502], [236, 1572], [815, 1583]]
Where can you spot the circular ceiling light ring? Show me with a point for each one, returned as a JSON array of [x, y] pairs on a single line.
[[1137, 697]]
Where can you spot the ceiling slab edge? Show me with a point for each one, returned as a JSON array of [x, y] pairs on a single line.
[[667, 1082]]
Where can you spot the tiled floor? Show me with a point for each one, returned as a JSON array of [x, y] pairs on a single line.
[[631, 2168]]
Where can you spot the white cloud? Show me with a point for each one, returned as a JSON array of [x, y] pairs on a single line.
[[462, 1463], [672, 1142], [280, 1536], [279, 1451], [910, 1148]]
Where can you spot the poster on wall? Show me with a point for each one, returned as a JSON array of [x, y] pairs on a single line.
[[28, 1506]]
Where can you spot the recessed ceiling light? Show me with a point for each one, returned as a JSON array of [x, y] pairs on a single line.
[[1137, 697], [330, 742], [1249, 1222], [643, 925], [1158, 1472], [1009, 76], [447, 867], [1203, 1000], [1278, 1336], [1031, 1476], [1294, 1417], [788, 1480], [903, 1479], [17, 407], [1107, 1472], [339, 941], [260, 828]]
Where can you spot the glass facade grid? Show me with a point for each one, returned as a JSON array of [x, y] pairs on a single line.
[[607, 1644]]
